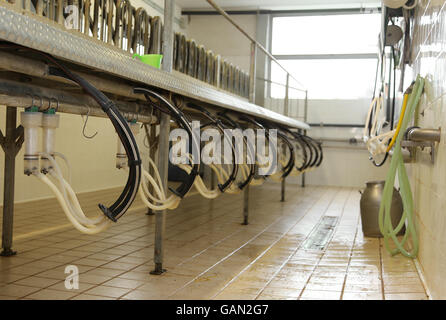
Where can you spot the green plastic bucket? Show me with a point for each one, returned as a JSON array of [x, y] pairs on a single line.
[[153, 60]]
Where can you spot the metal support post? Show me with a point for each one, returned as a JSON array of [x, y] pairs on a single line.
[[282, 190], [252, 72], [11, 144], [286, 112], [213, 186], [163, 148], [246, 205], [305, 131], [286, 106], [252, 95], [160, 216], [152, 154]]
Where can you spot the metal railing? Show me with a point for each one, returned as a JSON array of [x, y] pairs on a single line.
[[133, 30], [290, 91]]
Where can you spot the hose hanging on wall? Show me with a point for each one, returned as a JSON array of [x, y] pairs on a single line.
[[397, 165], [398, 127], [377, 143]]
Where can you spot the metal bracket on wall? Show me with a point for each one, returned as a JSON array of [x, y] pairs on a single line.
[[412, 147], [421, 138]]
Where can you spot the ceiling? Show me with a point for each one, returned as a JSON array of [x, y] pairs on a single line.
[[277, 4]]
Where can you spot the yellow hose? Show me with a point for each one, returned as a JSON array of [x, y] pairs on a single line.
[[400, 121]]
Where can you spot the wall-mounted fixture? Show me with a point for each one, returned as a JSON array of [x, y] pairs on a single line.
[[422, 138]]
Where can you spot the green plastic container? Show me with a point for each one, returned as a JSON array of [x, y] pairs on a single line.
[[153, 60]]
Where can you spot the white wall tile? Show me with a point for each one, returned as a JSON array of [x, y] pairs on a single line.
[[429, 181]]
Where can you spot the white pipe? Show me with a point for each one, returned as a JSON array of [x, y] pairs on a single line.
[[199, 184], [158, 203], [164, 203], [71, 205], [67, 163], [376, 143], [169, 203], [68, 213]]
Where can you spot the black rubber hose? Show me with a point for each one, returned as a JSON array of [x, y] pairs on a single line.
[[230, 123], [185, 124], [299, 137], [121, 205], [260, 126], [299, 145], [217, 123], [290, 165], [321, 152], [312, 144], [286, 170]]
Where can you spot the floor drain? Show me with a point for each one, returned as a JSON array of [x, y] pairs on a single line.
[[321, 234]]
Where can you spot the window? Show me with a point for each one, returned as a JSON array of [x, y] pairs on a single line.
[[334, 56]]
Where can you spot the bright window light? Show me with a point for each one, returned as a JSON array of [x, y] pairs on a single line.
[[327, 34], [327, 78]]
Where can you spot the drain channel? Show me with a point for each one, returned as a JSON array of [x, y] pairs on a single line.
[[321, 234]]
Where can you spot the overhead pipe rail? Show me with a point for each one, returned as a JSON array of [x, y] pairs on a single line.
[[47, 69]]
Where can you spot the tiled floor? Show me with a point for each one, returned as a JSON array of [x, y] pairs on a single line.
[[209, 254]]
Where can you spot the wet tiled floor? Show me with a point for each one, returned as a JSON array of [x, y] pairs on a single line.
[[208, 253]]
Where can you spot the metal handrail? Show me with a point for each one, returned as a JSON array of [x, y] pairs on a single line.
[[279, 84], [254, 41]]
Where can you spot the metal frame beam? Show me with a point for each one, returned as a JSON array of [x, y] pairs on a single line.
[[286, 13], [11, 144], [19, 94]]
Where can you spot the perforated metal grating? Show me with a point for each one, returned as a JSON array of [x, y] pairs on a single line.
[[321, 234]]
